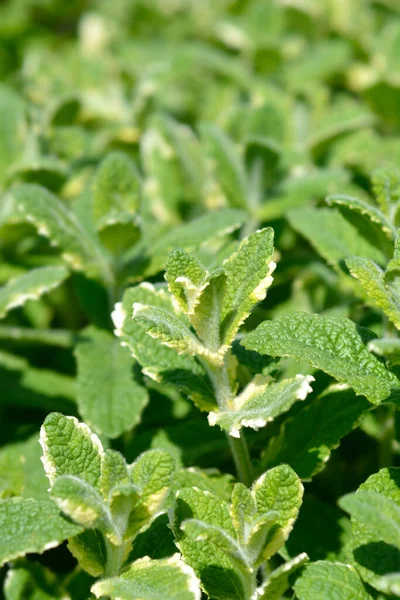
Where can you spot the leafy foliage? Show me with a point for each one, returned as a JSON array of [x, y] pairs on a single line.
[[199, 299]]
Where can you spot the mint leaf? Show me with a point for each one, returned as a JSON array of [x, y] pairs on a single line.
[[260, 403], [115, 188], [377, 513], [378, 293], [368, 210], [328, 580], [334, 345], [168, 328], [306, 439], [28, 525], [220, 577], [109, 399], [81, 502], [279, 581], [279, 490], [51, 218], [228, 168], [30, 286], [89, 549], [157, 360], [168, 578], [370, 537], [248, 276], [152, 475], [333, 237], [186, 279], [70, 448]]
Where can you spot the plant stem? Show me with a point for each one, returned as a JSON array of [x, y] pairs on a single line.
[[241, 457], [223, 393], [115, 557]]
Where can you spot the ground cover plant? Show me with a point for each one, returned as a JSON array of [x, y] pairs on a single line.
[[199, 300]]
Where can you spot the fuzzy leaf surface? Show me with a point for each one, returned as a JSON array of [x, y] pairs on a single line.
[[186, 278], [157, 360], [220, 576], [28, 525], [306, 439], [328, 580], [248, 276], [372, 279], [260, 403], [368, 210], [169, 578], [376, 549], [332, 235], [334, 345], [70, 448], [109, 399]]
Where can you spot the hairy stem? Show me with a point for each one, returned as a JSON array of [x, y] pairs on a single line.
[[241, 457], [224, 395], [115, 558]]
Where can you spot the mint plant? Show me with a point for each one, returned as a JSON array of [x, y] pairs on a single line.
[[199, 299]]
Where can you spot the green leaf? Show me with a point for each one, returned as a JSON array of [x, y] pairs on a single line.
[[109, 399], [334, 345], [390, 584], [199, 531], [70, 448], [373, 556], [115, 187], [328, 580], [169, 578], [21, 470], [261, 402], [51, 218], [114, 471], [13, 129], [30, 286], [157, 360], [279, 581], [386, 188], [152, 475], [248, 276], [279, 490], [372, 280], [220, 577], [243, 511], [28, 525], [228, 167], [333, 237], [79, 501], [367, 210], [116, 197], [168, 328], [186, 279], [219, 484], [90, 551], [377, 513], [306, 439]]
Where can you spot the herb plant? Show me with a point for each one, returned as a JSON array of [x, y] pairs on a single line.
[[199, 300]]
